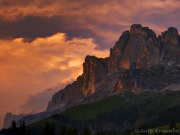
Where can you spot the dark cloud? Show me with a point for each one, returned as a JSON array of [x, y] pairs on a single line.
[[102, 20], [31, 27]]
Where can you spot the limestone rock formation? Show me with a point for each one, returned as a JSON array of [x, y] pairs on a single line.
[[10, 117], [136, 49], [139, 61], [93, 79], [155, 78], [169, 45]]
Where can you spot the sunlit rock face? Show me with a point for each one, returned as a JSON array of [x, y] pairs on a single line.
[[169, 45], [136, 50], [94, 71], [116, 53], [138, 61], [94, 76]]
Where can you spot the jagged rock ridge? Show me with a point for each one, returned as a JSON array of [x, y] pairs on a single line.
[[139, 61], [138, 48], [10, 117]]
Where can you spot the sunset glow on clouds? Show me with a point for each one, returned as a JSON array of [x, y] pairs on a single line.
[[101, 19], [43, 43], [27, 68]]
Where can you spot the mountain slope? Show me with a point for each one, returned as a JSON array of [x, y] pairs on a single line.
[[138, 48], [139, 61], [119, 112]]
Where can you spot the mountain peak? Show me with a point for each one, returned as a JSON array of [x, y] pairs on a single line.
[[145, 31], [9, 117], [170, 36], [136, 28], [172, 30], [172, 33], [136, 50]]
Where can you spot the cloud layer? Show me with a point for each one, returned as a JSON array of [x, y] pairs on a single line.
[[38, 102], [28, 68], [103, 20]]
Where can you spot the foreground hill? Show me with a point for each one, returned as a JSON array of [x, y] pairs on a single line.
[[120, 112]]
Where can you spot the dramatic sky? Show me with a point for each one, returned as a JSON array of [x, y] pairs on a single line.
[[43, 43]]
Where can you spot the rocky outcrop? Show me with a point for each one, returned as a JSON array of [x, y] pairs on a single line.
[[94, 71], [169, 45], [155, 78], [136, 49], [138, 61], [94, 80], [10, 117], [71, 94]]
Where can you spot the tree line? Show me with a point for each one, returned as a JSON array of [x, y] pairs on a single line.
[[48, 129], [14, 130]]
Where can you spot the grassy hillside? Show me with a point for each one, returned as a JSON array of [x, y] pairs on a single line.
[[87, 111], [152, 101], [120, 112], [91, 110], [177, 125]]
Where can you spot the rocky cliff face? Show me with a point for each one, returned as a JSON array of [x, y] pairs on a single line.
[[139, 61], [10, 117], [164, 76], [93, 79], [169, 45], [136, 49]]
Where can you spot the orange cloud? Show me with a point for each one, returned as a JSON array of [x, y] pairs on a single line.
[[28, 68], [106, 11], [100, 10], [106, 19]]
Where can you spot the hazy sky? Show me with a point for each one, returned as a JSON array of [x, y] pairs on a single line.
[[43, 42]]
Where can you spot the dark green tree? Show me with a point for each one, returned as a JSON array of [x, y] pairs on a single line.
[[69, 131], [126, 132], [86, 130], [14, 129], [23, 129], [48, 130], [74, 131], [64, 131], [172, 125]]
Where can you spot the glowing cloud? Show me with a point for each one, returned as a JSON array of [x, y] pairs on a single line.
[[30, 68]]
